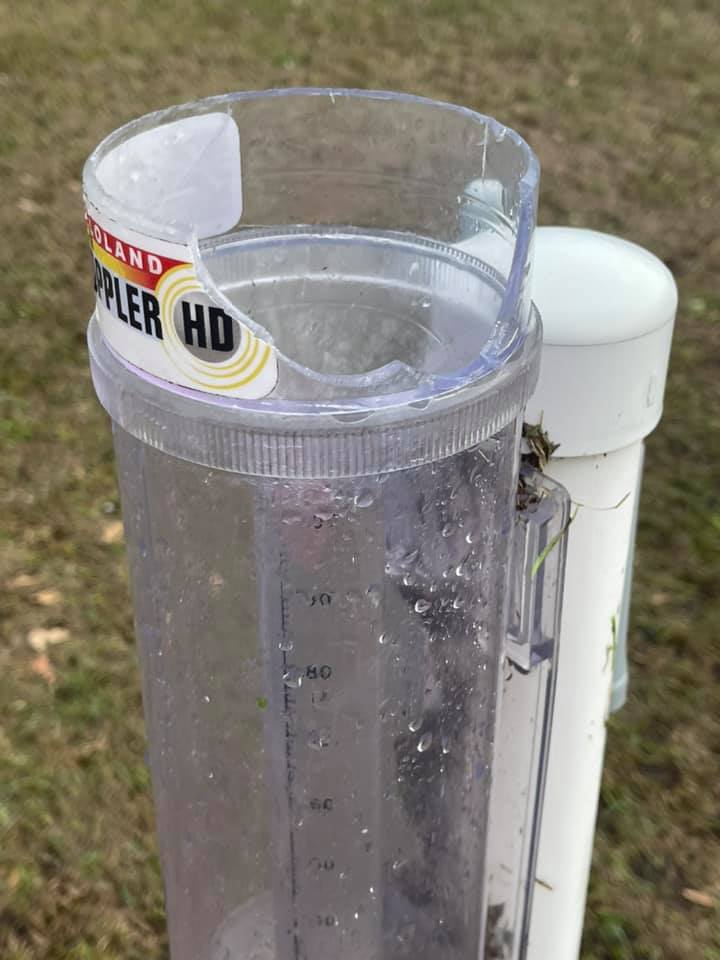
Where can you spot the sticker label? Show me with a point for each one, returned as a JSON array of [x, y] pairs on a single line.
[[155, 313]]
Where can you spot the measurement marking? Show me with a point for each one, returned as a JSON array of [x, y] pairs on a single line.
[[288, 701]]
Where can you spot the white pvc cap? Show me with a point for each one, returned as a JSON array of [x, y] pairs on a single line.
[[608, 308]]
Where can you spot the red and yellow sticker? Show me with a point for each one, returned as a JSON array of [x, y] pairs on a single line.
[[155, 313]]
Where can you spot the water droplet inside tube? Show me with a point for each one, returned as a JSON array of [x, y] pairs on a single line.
[[424, 742]]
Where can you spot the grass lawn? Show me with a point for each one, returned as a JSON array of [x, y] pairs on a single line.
[[620, 100]]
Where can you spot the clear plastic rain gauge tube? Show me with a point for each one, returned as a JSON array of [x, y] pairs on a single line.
[[316, 397]]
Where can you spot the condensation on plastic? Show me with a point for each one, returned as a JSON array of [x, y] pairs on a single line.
[[320, 665]]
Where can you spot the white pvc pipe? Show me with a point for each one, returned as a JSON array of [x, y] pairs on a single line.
[[608, 309], [606, 486]]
